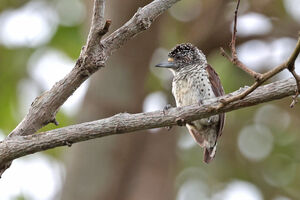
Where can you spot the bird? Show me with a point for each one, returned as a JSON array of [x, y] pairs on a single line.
[[195, 80]]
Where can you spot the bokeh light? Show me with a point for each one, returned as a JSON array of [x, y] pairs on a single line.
[[279, 170], [186, 10], [70, 12], [47, 66], [273, 116], [239, 190], [248, 24], [28, 90], [31, 25], [191, 185], [255, 142], [36, 177], [254, 54], [293, 7], [161, 55], [192, 190], [153, 102], [186, 141]]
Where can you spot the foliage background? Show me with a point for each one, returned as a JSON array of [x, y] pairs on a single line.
[[258, 155]]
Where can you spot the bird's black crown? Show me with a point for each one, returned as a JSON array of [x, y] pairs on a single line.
[[186, 53]]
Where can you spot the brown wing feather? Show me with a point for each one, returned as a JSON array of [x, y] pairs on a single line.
[[218, 91]]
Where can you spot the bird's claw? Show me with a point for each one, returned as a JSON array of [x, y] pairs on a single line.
[[209, 120], [200, 102], [166, 108], [180, 122]]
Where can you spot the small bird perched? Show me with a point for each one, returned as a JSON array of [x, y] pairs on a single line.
[[195, 80]]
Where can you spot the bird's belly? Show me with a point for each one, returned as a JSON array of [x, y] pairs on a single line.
[[187, 92], [186, 96]]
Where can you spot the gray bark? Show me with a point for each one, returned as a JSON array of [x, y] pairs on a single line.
[[92, 57], [18, 146], [125, 167]]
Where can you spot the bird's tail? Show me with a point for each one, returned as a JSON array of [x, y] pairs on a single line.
[[209, 153]]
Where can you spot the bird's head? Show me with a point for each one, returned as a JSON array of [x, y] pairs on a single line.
[[182, 57]]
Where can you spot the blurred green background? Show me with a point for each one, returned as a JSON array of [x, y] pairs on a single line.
[[257, 156]]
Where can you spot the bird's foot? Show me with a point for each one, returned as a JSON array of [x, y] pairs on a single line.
[[166, 108], [181, 122], [210, 120], [200, 102]]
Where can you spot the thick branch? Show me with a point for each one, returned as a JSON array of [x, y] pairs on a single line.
[[18, 146]]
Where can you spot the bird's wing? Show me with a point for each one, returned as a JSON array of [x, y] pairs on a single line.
[[218, 91]]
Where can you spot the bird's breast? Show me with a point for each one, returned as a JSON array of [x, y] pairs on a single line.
[[192, 88]]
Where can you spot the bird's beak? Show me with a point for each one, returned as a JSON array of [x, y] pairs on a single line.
[[169, 64]]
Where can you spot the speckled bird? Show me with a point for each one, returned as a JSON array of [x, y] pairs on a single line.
[[194, 81]]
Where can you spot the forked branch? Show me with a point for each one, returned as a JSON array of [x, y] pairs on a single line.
[[22, 140], [92, 57], [259, 78]]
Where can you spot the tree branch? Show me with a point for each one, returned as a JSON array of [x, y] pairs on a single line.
[[92, 57], [141, 21], [12, 148], [259, 78], [234, 58], [22, 141]]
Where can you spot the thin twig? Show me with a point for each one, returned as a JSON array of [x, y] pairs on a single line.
[[259, 78], [233, 38], [291, 68], [295, 97], [266, 76], [234, 58]]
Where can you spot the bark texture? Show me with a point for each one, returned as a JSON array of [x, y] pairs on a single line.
[[15, 147], [92, 57], [127, 167]]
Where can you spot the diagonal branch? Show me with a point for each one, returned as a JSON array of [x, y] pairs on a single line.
[[234, 58], [297, 78], [15, 147], [266, 76], [291, 67]]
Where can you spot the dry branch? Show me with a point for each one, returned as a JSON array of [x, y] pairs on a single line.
[[259, 78], [92, 57], [234, 58], [18, 146], [22, 140]]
